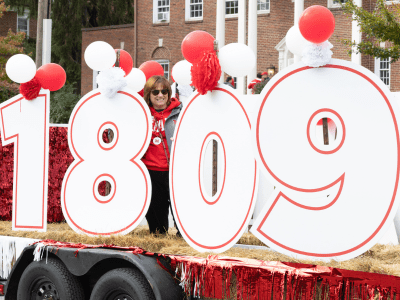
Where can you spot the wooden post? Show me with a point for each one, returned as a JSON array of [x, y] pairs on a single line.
[[325, 128], [215, 168], [39, 33]]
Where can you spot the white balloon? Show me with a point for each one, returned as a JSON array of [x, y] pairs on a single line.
[[100, 56], [295, 41], [136, 79], [21, 68], [181, 72], [236, 59]]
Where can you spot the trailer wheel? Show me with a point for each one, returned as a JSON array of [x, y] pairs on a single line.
[[50, 280], [122, 284]]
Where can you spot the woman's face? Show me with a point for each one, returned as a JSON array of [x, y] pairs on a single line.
[[160, 100]]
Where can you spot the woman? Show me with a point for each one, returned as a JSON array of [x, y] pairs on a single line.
[[164, 111]]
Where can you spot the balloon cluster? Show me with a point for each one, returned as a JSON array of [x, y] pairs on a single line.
[[22, 69], [202, 68], [309, 38], [101, 56]]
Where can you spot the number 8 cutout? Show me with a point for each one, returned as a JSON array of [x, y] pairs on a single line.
[[117, 162], [333, 199]]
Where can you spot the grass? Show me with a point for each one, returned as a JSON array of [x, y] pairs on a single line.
[[382, 259]]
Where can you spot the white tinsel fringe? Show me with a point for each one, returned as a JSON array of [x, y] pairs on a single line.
[[185, 90], [111, 81], [317, 55]]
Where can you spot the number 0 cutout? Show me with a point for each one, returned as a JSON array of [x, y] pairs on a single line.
[[213, 223], [333, 202], [118, 162]]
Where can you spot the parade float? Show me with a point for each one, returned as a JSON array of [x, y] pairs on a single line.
[[331, 204]]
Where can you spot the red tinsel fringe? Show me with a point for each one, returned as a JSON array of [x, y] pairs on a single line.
[[59, 160], [206, 72], [30, 90]]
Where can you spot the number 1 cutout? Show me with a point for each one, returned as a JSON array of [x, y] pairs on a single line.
[[26, 124]]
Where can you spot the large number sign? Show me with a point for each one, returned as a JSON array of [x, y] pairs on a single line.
[[26, 124], [332, 200], [213, 222], [335, 195], [117, 163]]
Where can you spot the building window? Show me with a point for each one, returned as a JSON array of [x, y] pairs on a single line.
[[382, 69], [262, 6], [194, 9], [336, 3], [231, 7], [160, 11], [165, 64], [23, 24]]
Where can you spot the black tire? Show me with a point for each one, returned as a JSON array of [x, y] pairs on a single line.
[[122, 283], [52, 280]]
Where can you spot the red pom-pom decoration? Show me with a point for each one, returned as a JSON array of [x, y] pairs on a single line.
[[125, 61], [51, 76], [195, 44], [206, 72], [151, 68], [317, 24], [31, 89]]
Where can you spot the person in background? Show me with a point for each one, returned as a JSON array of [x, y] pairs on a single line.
[[264, 76], [228, 81], [164, 111], [254, 81]]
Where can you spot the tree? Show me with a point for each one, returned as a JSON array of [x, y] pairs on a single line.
[[380, 25], [69, 17], [9, 45]]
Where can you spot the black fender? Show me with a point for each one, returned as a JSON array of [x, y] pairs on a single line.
[[156, 269]]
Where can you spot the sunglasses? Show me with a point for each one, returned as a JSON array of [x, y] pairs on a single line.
[[156, 92]]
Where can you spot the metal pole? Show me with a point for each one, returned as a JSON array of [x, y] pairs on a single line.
[[46, 50], [356, 36], [220, 28], [241, 84], [298, 10], [252, 40]]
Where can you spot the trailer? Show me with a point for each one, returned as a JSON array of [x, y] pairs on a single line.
[[54, 270]]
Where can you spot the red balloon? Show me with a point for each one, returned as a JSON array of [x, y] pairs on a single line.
[[317, 24], [151, 68], [51, 76], [125, 61], [195, 43]]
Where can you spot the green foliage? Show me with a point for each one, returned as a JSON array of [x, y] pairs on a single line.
[[29, 46], [69, 17], [8, 90], [62, 102], [9, 45], [258, 87], [380, 25]]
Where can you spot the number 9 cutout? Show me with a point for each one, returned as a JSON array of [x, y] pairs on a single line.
[[335, 197]]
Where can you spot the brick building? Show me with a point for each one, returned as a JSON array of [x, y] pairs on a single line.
[[12, 20], [163, 24]]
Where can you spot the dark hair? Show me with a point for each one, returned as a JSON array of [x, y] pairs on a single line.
[[151, 84], [259, 75], [229, 78]]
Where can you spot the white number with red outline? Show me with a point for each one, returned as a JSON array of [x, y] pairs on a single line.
[[118, 162], [213, 223], [331, 201], [26, 124]]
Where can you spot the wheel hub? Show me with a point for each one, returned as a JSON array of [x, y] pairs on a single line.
[[44, 289]]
